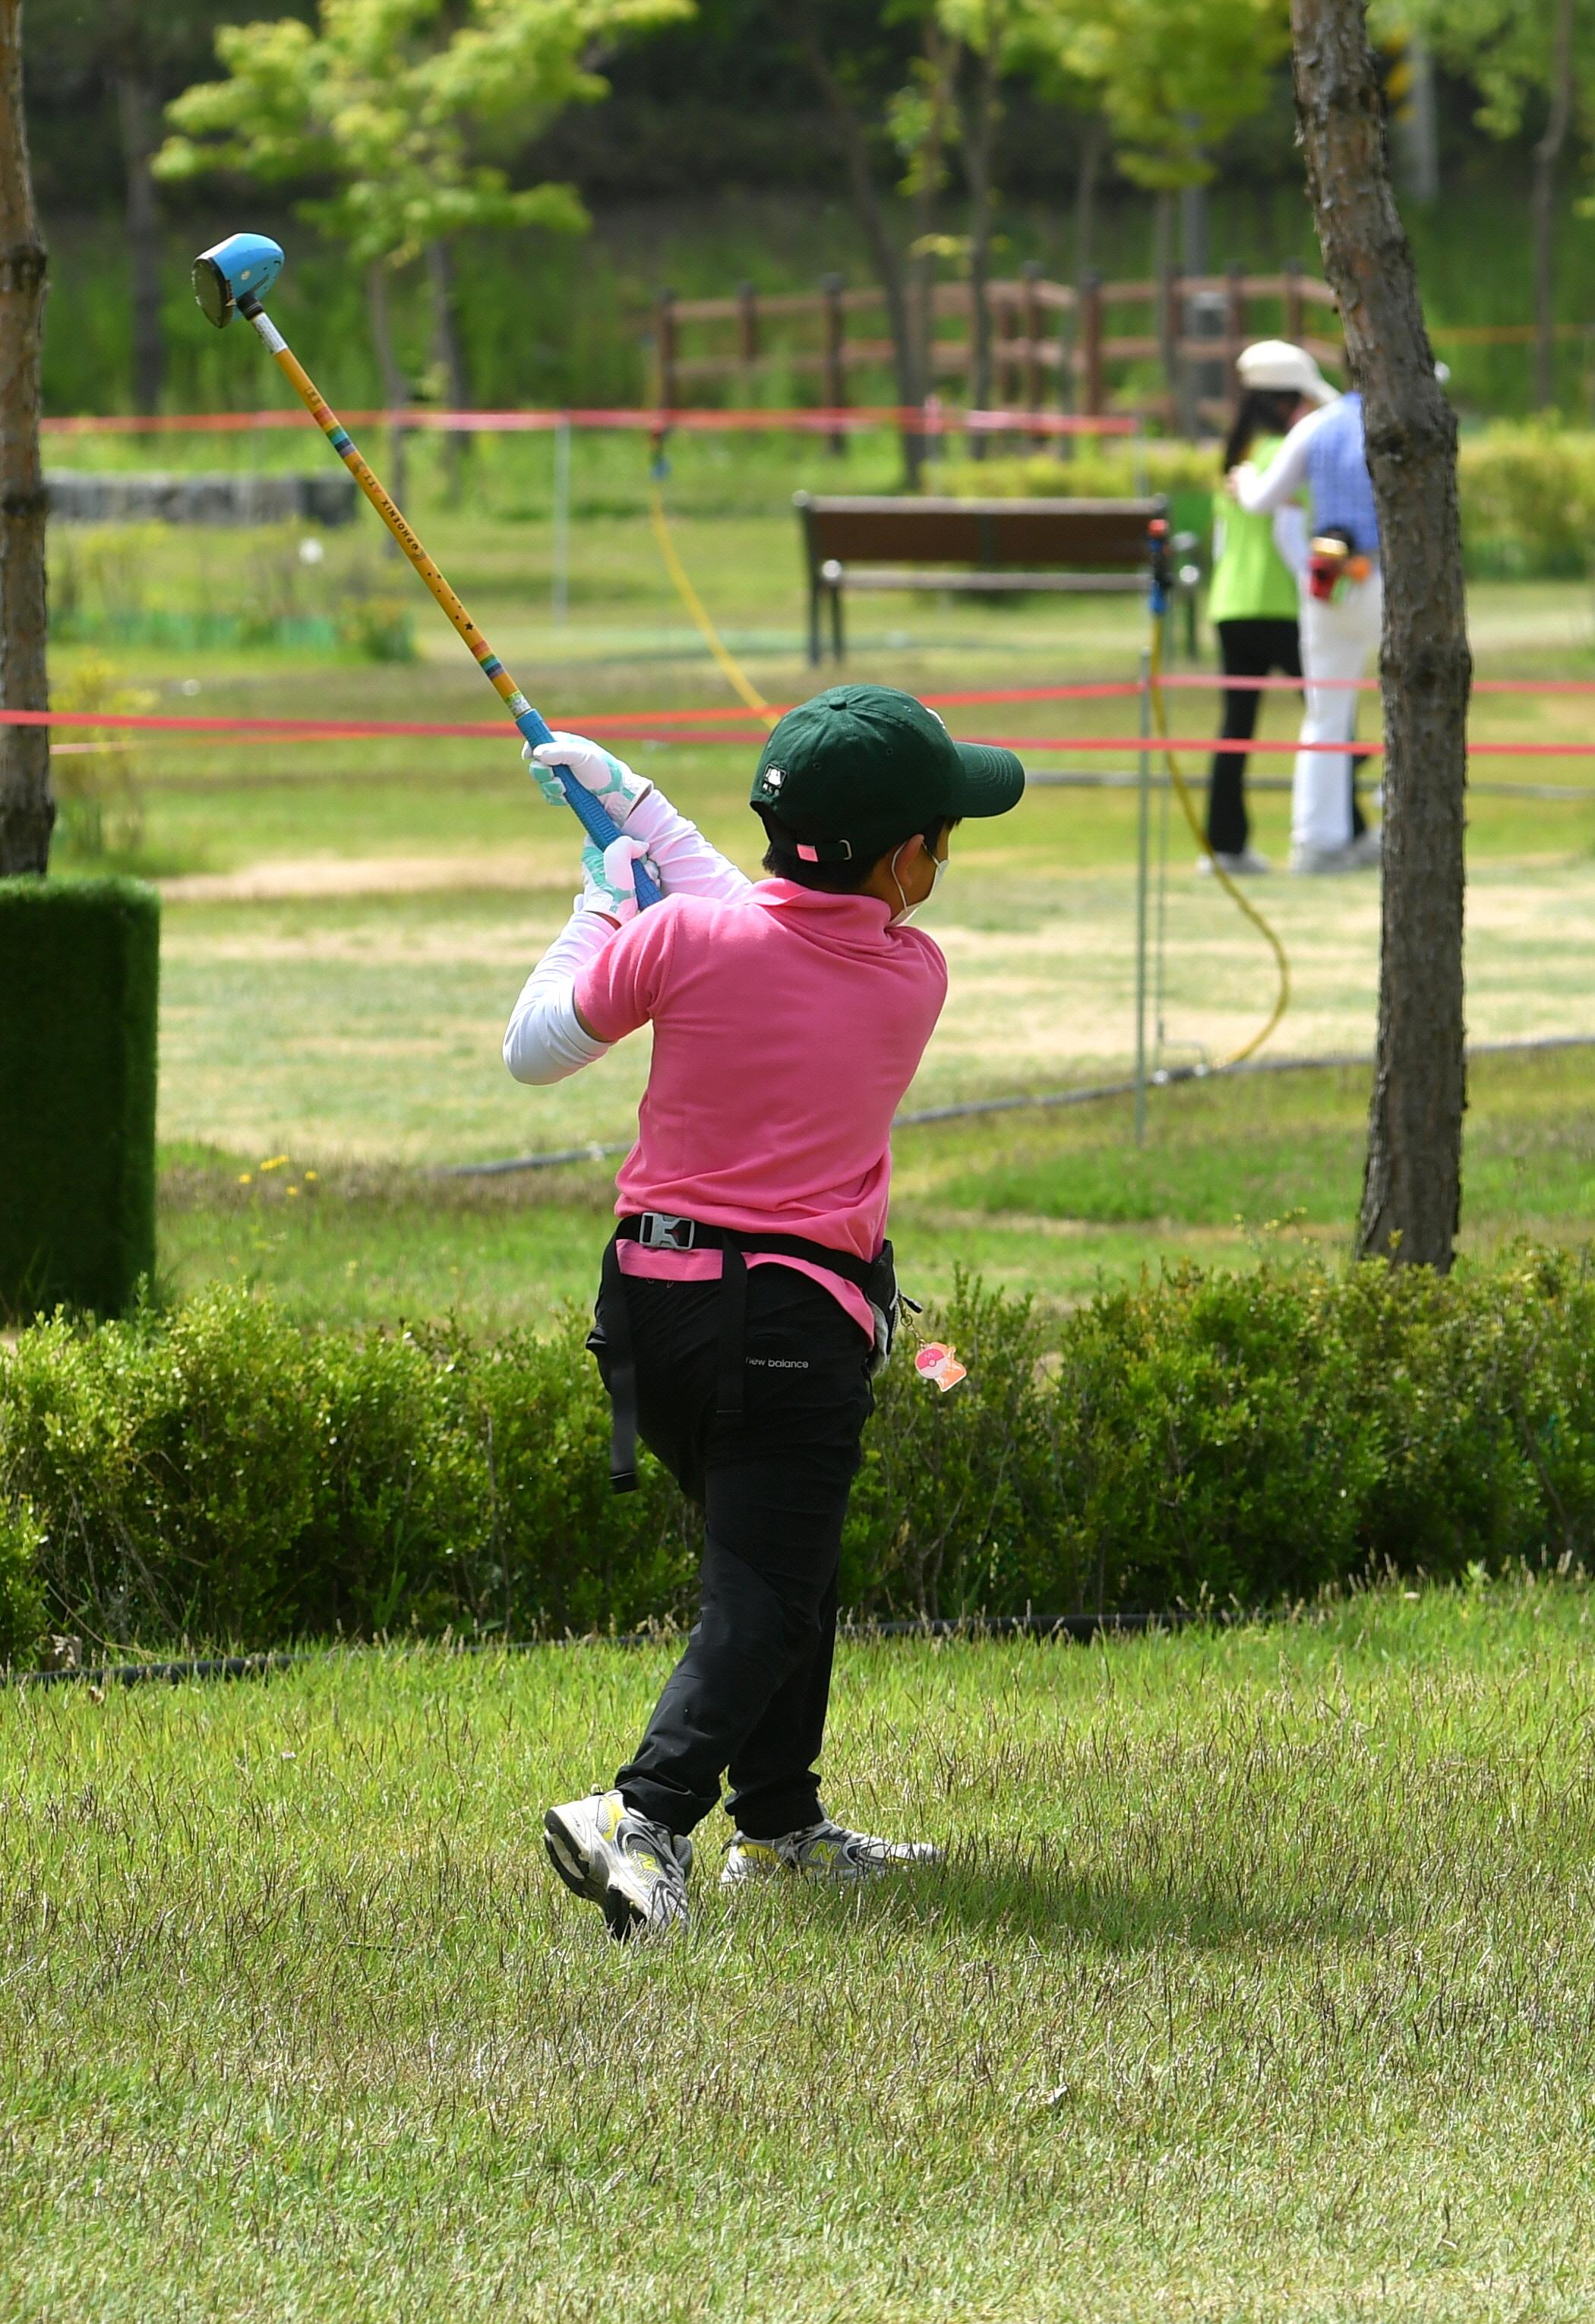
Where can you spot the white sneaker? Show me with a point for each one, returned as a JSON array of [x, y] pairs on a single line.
[[1246, 865], [1359, 855], [822, 1851], [632, 1869]]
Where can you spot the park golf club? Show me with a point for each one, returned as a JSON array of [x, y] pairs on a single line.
[[232, 278]]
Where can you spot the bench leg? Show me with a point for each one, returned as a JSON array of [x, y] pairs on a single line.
[[838, 645], [814, 620]]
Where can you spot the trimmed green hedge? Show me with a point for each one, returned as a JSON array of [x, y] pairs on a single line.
[[217, 1475], [79, 970]]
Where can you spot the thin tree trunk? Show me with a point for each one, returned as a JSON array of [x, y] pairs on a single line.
[[883, 253], [1412, 1187], [1543, 208], [136, 109], [450, 351], [941, 59], [1182, 400], [1092, 148], [395, 386], [27, 811], [979, 133]]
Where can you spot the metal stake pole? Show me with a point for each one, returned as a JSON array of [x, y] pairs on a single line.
[[561, 519], [1143, 850]]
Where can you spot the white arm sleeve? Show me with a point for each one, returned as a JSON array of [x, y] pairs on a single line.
[[1282, 479], [1290, 537], [543, 1042], [688, 864]]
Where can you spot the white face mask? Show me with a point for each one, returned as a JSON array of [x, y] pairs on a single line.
[[900, 919]]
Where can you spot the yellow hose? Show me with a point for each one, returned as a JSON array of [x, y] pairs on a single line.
[[1241, 903], [731, 669]]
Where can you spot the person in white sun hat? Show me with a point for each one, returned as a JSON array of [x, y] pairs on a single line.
[[1252, 597], [1341, 601]]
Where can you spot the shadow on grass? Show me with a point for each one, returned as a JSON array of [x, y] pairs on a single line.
[[986, 1890]]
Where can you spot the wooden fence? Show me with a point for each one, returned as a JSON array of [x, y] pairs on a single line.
[[1051, 344]]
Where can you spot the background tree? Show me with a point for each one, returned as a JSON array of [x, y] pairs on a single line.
[[1525, 58], [26, 809], [1173, 78], [1412, 1187], [411, 110], [141, 52]]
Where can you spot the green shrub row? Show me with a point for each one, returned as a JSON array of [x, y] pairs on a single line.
[[217, 1475], [1527, 490]]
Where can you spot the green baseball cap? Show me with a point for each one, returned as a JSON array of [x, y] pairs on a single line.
[[860, 768]]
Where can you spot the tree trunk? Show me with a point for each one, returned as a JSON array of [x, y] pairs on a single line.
[[449, 351], [136, 108], [27, 811], [395, 386], [1412, 1187], [1093, 145], [1543, 208], [980, 129], [883, 253], [941, 54]]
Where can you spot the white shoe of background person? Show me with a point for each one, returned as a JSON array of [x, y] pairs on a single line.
[[822, 1851], [1246, 865], [632, 1868], [1359, 855]]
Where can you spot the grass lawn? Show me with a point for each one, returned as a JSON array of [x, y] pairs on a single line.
[[1052, 1202], [1257, 1986]]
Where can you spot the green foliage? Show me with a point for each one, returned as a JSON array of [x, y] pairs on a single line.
[[1105, 470], [279, 584], [395, 100], [1205, 1438], [79, 967], [1528, 500], [1174, 77], [1507, 48], [22, 1550]]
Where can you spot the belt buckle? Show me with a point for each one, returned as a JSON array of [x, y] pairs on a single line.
[[662, 1231]]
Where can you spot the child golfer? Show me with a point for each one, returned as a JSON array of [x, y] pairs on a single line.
[[748, 1293]]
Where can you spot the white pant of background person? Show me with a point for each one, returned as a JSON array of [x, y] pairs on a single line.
[[1338, 641]]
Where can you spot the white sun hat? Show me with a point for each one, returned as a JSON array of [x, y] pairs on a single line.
[[1277, 364]]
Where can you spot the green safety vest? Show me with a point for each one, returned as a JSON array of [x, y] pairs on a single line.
[[1251, 582]]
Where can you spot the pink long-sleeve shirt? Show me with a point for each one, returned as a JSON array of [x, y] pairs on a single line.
[[786, 1026]]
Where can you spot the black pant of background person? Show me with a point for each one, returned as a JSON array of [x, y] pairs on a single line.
[[1247, 648], [749, 1695]]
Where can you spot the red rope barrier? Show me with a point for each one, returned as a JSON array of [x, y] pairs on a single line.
[[805, 419], [706, 726]]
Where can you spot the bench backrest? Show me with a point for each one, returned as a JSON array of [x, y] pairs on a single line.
[[1073, 536]]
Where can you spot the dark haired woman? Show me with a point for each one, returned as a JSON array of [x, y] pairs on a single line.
[[1253, 598]]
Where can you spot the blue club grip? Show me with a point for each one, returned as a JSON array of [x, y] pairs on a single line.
[[594, 820]]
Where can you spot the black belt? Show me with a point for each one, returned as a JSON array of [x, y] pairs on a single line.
[[661, 1231]]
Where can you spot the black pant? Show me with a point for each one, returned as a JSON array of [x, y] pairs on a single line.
[[1247, 650], [1253, 650], [749, 1695]]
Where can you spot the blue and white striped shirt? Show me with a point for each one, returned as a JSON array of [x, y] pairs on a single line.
[[1338, 478]]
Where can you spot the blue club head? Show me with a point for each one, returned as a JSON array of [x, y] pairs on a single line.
[[237, 272]]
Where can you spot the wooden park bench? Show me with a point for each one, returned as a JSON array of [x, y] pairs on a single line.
[[1086, 547]]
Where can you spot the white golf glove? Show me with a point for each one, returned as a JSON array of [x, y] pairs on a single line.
[[609, 884], [609, 780]]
